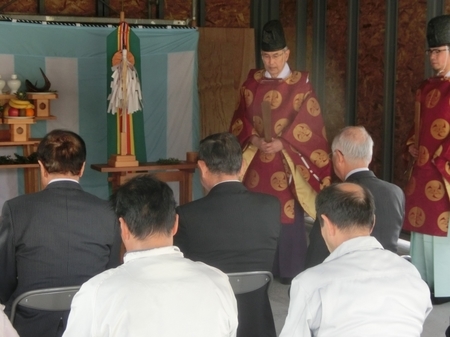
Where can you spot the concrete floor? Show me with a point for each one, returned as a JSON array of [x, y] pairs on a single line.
[[435, 325]]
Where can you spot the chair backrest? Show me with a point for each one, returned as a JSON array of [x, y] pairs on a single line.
[[51, 299], [245, 282]]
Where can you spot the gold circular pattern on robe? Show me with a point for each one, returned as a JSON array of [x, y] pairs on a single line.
[[248, 95], [439, 129], [434, 190], [253, 178], [411, 186], [258, 125], [313, 107], [302, 132], [319, 158], [423, 156], [442, 221], [432, 98], [280, 125], [266, 157], [259, 74], [416, 217], [237, 127], [274, 97], [278, 181], [304, 172], [447, 168], [298, 101], [289, 209], [325, 182], [294, 78]]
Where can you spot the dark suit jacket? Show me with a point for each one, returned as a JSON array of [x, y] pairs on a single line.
[[389, 214], [234, 230], [61, 236]]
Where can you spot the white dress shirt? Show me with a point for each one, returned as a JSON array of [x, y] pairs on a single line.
[[360, 290], [6, 329], [155, 292]]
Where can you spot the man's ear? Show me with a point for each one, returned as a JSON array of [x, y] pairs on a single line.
[[175, 226], [202, 166], [82, 169], [124, 230], [328, 225]]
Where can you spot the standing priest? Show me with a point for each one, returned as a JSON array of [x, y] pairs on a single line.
[[287, 150]]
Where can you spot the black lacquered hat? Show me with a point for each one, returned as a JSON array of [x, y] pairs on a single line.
[[273, 36], [438, 31]]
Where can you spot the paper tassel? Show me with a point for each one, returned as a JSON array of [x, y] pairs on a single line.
[[133, 96]]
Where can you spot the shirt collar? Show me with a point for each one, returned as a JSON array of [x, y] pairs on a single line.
[[63, 179], [138, 254], [359, 243], [355, 171], [284, 73]]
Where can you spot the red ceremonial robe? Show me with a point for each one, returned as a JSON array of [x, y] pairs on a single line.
[[427, 193]]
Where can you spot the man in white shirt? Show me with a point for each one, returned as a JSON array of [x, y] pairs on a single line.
[[156, 291], [360, 289]]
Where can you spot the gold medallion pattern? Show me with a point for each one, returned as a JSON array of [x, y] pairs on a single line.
[[439, 129], [325, 182], [432, 98], [258, 125], [289, 209], [423, 157], [298, 101], [304, 172], [319, 158], [278, 181], [416, 217], [253, 178], [313, 107], [434, 190], [266, 157], [258, 75], [280, 125], [302, 132], [237, 127], [248, 95], [294, 78], [411, 186], [274, 97], [442, 221], [447, 168]]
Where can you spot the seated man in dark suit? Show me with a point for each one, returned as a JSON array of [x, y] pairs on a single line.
[[232, 228], [60, 236], [352, 154]]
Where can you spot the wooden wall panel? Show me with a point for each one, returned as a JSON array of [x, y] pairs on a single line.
[[177, 9], [227, 13], [410, 73], [335, 70], [225, 55], [21, 7], [370, 73]]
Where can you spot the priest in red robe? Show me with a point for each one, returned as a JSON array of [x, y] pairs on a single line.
[[288, 157]]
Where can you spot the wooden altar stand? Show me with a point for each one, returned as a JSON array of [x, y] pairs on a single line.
[[181, 173]]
